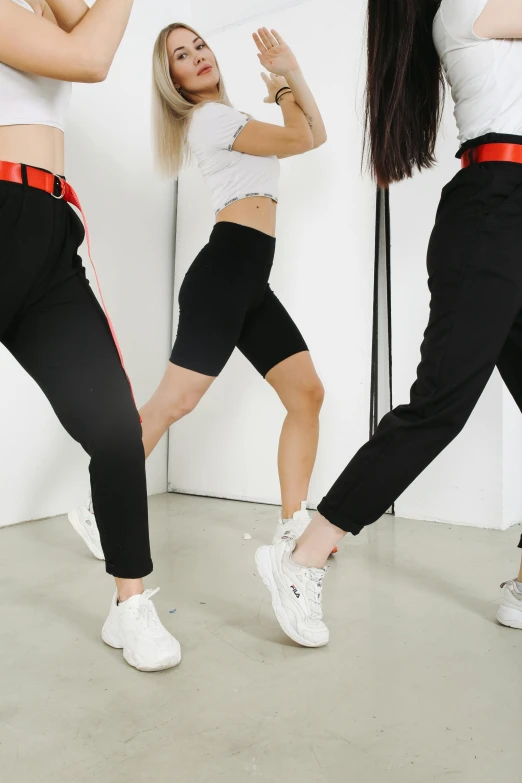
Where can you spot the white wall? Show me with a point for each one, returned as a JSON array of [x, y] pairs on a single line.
[[130, 213], [476, 480], [323, 269], [209, 16]]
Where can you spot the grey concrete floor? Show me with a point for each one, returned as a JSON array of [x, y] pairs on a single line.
[[419, 684]]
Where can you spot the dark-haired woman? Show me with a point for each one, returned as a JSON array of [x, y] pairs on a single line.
[[474, 267]]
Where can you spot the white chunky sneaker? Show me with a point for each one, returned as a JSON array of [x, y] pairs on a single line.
[[295, 527], [292, 528], [84, 522], [296, 593], [510, 610], [134, 627]]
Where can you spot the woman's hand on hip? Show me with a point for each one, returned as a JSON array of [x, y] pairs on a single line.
[[274, 54], [273, 84]]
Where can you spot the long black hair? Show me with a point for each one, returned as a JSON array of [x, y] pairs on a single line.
[[404, 90]]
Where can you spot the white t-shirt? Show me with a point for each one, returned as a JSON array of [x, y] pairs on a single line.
[[485, 75], [230, 175], [27, 99]]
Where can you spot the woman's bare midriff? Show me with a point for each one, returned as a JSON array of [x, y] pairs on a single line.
[[35, 145], [254, 212]]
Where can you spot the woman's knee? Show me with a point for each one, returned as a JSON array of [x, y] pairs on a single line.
[[181, 405], [307, 398]]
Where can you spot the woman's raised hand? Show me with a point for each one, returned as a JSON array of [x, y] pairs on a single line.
[[274, 54]]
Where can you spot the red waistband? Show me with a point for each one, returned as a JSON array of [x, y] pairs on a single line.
[[35, 178], [58, 188], [496, 151]]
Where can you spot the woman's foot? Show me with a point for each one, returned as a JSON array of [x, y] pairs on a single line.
[[134, 627], [296, 593], [510, 610], [84, 522], [294, 527]]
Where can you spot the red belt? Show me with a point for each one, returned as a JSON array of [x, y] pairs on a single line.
[[496, 151], [59, 189]]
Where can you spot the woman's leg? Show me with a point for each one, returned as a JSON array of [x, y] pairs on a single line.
[[177, 395], [300, 390], [273, 344], [475, 279], [64, 343], [510, 367], [60, 335], [212, 305]]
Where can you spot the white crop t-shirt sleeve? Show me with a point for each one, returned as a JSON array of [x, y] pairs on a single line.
[[216, 126], [459, 17]]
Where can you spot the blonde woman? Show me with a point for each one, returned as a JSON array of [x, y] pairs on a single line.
[[225, 299], [50, 320]]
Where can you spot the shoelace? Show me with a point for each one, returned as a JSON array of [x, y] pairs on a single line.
[[146, 611], [315, 592]]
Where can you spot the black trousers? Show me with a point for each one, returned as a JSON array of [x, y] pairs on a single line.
[[52, 324], [475, 325]]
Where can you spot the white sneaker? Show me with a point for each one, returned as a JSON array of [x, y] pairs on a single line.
[[84, 522], [510, 610], [292, 528], [295, 527], [134, 627], [296, 593]]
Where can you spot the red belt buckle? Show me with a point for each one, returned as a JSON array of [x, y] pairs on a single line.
[[62, 184]]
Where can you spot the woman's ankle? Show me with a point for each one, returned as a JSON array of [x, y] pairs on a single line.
[[315, 546], [126, 588]]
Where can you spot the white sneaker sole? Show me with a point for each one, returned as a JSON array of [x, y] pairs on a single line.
[[76, 522], [264, 569], [112, 641], [509, 617]]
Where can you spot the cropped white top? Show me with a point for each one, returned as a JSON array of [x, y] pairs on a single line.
[[230, 175], [27, 99]]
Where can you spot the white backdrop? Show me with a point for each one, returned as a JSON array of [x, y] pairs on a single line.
[[130, 212], [323, 268]]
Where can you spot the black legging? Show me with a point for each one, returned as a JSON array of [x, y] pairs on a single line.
[[475, 280], [52, 324]]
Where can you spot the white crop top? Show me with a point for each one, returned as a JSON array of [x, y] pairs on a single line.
[[484, 73], [26, 99], [230, 175]]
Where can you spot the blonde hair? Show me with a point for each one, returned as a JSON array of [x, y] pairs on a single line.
[[172, 112]]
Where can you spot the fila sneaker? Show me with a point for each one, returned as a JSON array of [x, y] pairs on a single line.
[[296, 593]]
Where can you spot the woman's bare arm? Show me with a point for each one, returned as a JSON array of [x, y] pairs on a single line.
[[68, 13], [278, 58], [306, 101], [31, 43], [263, 138], [500, 19]]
